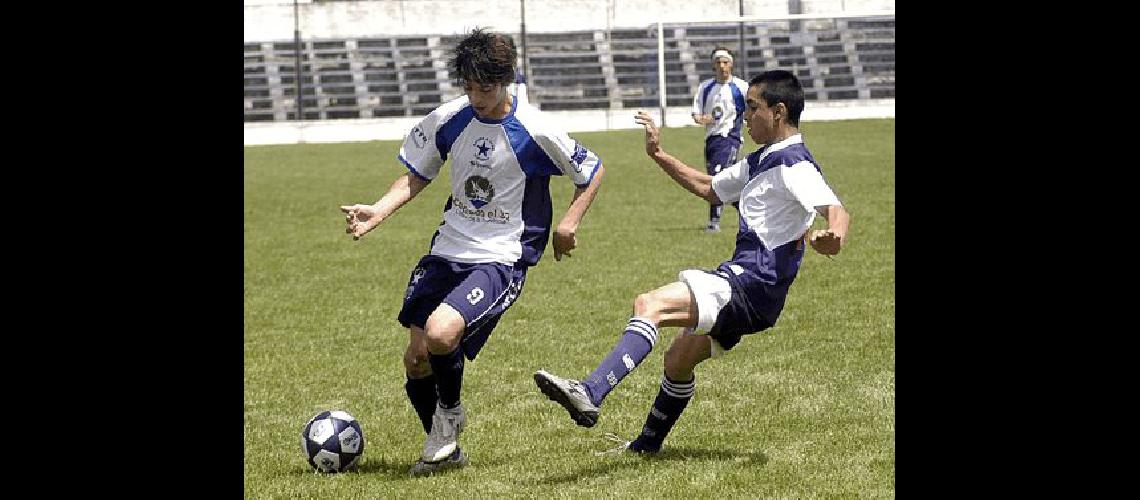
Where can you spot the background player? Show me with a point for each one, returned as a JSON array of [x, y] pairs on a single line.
[[719, 106]]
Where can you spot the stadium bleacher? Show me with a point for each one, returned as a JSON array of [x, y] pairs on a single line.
[[836, 59]]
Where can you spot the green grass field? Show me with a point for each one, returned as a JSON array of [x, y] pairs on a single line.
[[805, 409]]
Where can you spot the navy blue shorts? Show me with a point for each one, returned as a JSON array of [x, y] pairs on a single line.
[[754, 306], [480, 292], [720, 153]]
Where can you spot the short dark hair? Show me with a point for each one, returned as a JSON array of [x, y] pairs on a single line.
[[485, 57], [782, 86]]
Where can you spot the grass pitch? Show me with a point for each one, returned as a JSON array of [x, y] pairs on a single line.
[[805, 409]]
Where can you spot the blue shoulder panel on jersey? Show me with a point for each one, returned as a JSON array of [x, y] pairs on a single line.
[[450, 130], [788, 156], [738, 100], [413, 169], [705, 93], [531, 157]]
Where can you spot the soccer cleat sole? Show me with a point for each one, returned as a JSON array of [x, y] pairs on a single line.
[[422, 468], [548, 387]]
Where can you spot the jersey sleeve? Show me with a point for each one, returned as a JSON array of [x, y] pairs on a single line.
[[420, 153], [697, 108], [571, 157], [729, 182], [807, 186]]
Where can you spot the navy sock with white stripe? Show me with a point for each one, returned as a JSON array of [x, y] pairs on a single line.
[[639, 337], [671, 400]]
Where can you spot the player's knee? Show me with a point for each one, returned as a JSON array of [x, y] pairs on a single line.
[[646, 305], [678, 360], [443, 329], [443, 337]]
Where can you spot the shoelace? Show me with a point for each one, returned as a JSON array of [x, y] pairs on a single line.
[[622, 444]]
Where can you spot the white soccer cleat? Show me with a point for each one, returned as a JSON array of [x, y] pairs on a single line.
[[570, 394], [442, 441]]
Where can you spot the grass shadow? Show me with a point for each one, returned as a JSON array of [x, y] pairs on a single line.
[[606, 467], [391, 470]]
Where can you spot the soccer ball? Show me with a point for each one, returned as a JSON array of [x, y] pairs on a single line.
[[332, 441]]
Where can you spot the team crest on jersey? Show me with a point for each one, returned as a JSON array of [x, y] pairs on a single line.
[[718, 112], [479, 190], [483, 149]]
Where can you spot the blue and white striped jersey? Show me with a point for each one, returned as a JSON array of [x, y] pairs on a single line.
[[778, 188], [499, 209], [725, 102]]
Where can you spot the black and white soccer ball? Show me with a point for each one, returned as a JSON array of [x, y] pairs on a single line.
[[332, 441]]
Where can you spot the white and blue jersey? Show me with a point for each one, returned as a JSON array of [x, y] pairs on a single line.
[[778, 188], [725, 103], [499, 209]]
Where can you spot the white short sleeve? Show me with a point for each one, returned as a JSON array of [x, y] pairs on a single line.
[[729, 182], [419, 153], [697, 108], [573, 159], [807, 186]]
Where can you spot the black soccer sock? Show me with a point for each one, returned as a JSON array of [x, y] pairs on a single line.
[[714, 212], [671, 401], [421, 392], [448, 369]]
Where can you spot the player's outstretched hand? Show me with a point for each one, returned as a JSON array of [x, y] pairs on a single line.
[[652, 135], [826, 242], [360, 218], [565, 240]]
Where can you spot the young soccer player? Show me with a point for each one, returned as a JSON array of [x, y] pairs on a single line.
[[719, 106], [496, 223], [780, 188]]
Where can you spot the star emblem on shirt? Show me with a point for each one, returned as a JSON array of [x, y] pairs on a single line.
[[485, 147]]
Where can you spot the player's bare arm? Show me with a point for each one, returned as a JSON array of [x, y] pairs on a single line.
[[695, 181], [702, 119], [363, 218], [565, 235], [829, 241]]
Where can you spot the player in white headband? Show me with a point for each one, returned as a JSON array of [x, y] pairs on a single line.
[[719, 106]]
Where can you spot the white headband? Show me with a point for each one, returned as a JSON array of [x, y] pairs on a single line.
[[722, 53]]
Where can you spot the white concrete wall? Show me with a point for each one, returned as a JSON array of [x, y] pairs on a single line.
[[387, 129], [269, 20]]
